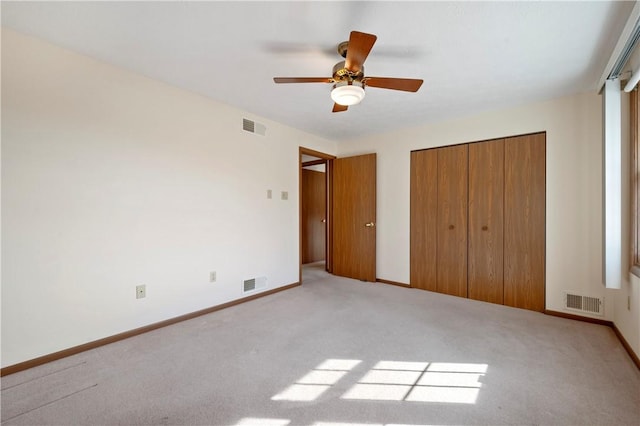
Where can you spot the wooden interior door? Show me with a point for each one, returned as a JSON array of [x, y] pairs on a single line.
[[314, 201], [424, 213], [354, 217], [524, 223], [486, 235], [452, 220]]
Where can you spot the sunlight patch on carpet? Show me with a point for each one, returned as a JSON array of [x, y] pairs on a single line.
[[298, 392], [317, 381], [436, 382], [439, 382], [259, 421]]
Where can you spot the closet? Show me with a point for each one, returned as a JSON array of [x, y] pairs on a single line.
[[478, 220]]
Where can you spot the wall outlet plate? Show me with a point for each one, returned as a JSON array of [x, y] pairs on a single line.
[[213, 276], [141, 291], [285, 195]]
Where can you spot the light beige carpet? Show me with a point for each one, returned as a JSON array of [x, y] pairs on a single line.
[[339, 351]]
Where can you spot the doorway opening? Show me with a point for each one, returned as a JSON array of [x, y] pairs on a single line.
[[315, 212], [349, 219]]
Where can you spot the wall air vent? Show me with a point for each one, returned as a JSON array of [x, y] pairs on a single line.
[[253, 127], [248, 125], [579, 303], [254, 284]]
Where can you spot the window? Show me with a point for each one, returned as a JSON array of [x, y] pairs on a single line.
[[635, 182]]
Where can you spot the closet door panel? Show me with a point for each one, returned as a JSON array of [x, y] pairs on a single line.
[[524, 224], [452, 220], [424, 211], [486, 237]]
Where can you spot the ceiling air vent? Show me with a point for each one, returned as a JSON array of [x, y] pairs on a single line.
[[253, 127], [591, 305]]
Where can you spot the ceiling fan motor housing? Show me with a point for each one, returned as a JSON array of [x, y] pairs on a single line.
[[340, 73]]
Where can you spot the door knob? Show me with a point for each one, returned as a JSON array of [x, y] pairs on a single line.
[[324, 221], [369, 225]]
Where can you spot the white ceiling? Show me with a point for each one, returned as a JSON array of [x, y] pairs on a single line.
[[473, 56]]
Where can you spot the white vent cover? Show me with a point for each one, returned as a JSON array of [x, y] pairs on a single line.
[[253, 127], [252, 284], [579, 303]]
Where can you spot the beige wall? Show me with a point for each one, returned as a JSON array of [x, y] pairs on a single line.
[[110, 180], [574, 194]]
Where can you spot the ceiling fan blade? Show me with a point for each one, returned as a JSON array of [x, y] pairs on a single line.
[[405, 84], [360, 45], [302, 80], [339, 108]]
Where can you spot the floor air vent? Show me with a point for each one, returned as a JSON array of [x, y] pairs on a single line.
[[254, 284], [576, 302]]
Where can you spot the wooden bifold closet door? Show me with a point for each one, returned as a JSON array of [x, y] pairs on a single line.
[[439, 220], [424, 214], [486, 218], [478, 220], [524, 224], [452, 221]]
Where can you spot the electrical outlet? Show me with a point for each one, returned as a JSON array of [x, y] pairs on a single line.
[[212, 277], [269, 194], [141, 291], [285, 195]]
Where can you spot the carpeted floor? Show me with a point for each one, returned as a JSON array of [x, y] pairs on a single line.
[[338, 351]]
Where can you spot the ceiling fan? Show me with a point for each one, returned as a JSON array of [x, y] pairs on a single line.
[[348, 77]]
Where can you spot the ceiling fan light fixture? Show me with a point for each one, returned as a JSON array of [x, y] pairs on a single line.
[[347, 93]]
